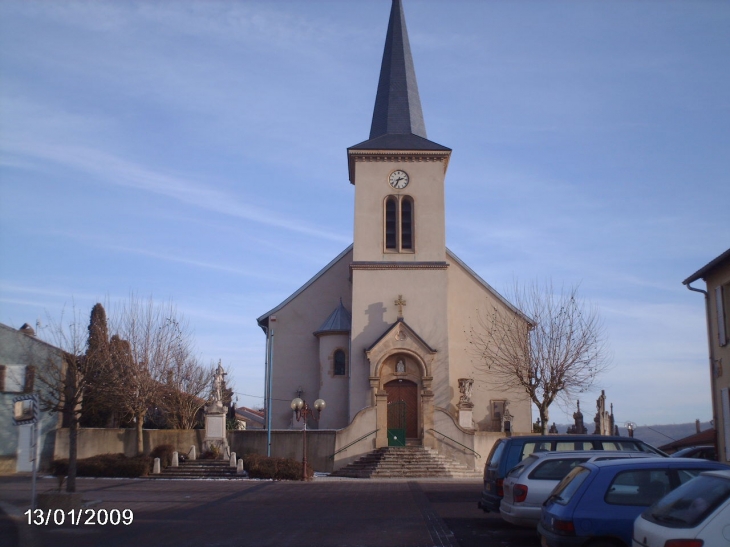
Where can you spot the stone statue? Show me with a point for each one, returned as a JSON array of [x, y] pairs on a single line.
[[400, 366], [218, 380], [465, 385]]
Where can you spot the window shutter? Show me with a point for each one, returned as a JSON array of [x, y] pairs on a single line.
[[719, 306], [29, 379], [2, 378]]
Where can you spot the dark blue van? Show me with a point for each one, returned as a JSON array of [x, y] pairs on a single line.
[[509, 451]]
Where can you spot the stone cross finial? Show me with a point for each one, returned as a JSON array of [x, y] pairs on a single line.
[[400, 303]]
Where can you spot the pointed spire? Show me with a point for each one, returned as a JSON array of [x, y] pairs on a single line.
[[397, 104], [397, 118]]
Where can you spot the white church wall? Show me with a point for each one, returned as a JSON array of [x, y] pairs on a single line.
[[333, 388], [296, 350], [468, 298]]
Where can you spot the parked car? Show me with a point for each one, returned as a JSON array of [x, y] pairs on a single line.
[[701, 452], [696, 512], [509, 451], [598, 502], [532, 480]]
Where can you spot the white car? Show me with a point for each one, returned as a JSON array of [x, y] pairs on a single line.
[[695, 514], [529, 483]]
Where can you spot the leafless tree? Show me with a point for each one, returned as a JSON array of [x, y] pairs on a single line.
[[554, 348], [62, 382], [185, 391], [152, 344]]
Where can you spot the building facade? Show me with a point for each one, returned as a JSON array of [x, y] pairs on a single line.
[[716, 275], [22, 358], [385, 327]]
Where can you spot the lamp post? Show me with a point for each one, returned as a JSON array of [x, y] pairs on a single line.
[[303, 411]]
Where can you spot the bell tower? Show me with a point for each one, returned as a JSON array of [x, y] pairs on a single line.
[[399, 249], [398, 173]]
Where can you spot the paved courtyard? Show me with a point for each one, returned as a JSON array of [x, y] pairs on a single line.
[[326, 512]]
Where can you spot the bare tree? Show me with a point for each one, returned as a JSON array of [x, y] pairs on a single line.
[[63, 381], [555, 350], [152, 344], [185, 391]]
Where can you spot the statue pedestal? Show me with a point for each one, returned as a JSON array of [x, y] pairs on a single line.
[[466, 415], [215, 429]]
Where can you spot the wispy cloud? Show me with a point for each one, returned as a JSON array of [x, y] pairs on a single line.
[[118, 171]]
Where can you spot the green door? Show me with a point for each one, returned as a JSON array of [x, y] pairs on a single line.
[[397, 423]]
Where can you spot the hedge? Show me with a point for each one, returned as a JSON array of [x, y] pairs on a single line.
[[105, 465]]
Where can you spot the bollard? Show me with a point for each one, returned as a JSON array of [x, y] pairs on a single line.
[[175, 461], [156, 467], [232, 462], [239, 467], [192, 453]]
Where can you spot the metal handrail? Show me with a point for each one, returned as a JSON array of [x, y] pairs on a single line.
[[332, 457], [457, 442]]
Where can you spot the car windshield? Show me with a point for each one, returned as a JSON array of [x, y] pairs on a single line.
[[567, 487], [691, 503]]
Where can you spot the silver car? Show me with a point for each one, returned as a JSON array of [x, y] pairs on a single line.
[[529, 483]]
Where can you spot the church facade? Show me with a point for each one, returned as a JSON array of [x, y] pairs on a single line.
[[382, 333]]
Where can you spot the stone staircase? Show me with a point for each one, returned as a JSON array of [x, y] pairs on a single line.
[[199, 469], [406, 462]]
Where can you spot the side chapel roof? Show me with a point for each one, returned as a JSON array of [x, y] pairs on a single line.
[[339, 321]]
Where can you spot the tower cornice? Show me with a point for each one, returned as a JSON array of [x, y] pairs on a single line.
[[392, 156]]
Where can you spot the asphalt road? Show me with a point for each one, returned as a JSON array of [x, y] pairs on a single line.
[[324, 512]]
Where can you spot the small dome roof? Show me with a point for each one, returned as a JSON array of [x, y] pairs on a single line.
[[338, 322]]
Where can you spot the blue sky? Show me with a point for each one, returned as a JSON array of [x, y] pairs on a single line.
[[196, 151]]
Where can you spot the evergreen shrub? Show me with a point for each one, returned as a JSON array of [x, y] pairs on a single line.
[[106, 465], [164, 452], [262, 467]]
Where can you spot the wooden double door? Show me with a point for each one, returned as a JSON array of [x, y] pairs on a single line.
[[402, 411]]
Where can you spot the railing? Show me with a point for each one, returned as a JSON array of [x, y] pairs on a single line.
[[332, 457], [457, 442]]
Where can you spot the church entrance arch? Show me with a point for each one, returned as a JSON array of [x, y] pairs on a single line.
[[402, 411]]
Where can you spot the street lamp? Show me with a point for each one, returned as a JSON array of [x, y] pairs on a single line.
[[303, 411]]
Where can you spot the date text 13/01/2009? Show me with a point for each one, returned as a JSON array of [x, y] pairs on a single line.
[[80, 517]]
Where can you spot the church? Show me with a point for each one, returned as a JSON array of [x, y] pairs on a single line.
[[381, 333]]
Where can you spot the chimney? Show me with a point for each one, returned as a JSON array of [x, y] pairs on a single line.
[[697, 426]]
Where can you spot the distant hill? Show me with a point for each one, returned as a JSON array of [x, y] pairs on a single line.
[[655, 435]]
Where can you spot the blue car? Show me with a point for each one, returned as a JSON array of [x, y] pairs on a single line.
[[597, 503]]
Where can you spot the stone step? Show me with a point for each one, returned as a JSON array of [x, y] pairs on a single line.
[[200, 469], [406, 462]]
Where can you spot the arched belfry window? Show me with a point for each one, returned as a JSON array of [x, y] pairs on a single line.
[[399, 224], [391, 222], [406, 223], [340, 363]]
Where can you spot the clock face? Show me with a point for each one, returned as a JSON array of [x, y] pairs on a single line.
[[398, 179]]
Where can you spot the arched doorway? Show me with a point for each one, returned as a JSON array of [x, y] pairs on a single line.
[[402, 411]]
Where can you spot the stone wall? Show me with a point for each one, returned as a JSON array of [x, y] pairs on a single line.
[[287, 443], [93, 441]]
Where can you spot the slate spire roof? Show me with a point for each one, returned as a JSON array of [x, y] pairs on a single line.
[[397, 118]]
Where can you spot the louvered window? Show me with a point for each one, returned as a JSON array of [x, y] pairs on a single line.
[[406, 222], [391, 237]]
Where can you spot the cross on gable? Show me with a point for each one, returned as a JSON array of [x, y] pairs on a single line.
[[400, 303]]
